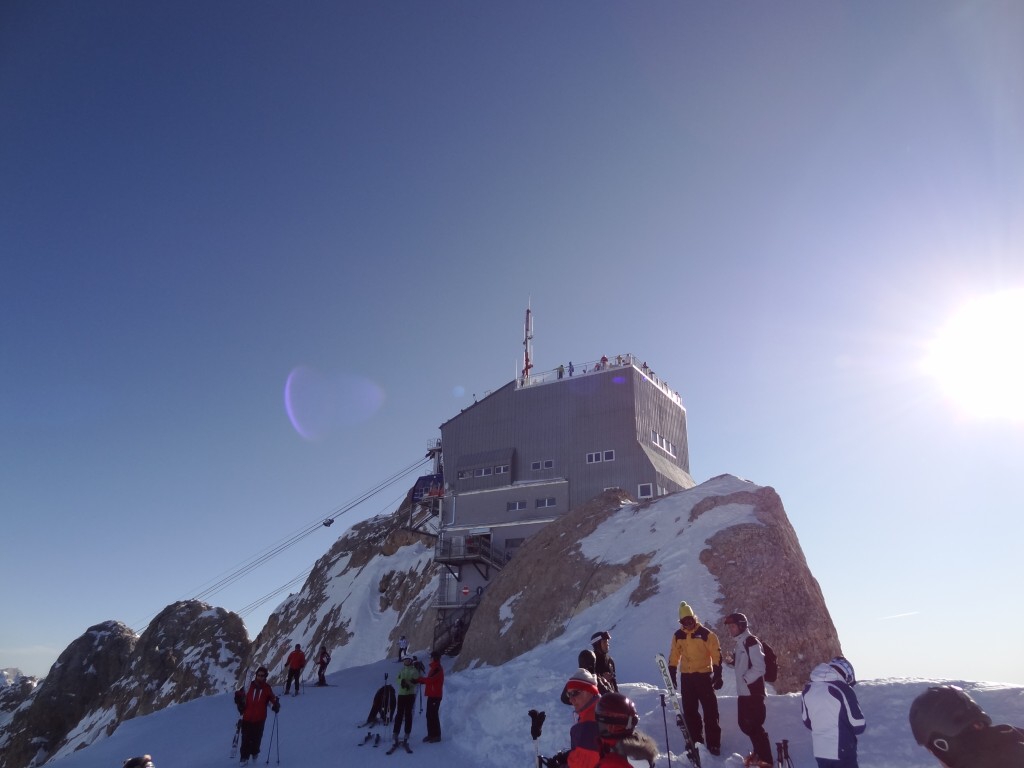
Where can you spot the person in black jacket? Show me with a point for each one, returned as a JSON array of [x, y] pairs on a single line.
[[605, 666], [950, 724]]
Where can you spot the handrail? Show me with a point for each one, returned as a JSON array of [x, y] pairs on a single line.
[[602, 365]]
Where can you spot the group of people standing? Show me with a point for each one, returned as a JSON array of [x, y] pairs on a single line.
[[605, 730], [696, 655], [432, 681]]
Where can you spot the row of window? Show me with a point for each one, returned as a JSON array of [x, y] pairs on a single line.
[[501, 469], [515, 506], [536, 466], [662, 442]]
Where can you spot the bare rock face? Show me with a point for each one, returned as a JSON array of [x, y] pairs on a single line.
[[361, 562], [75, 685], [110, 675], [763, 573], [189, 650]]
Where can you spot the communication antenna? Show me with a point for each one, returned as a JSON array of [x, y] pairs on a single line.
[[527, 343]]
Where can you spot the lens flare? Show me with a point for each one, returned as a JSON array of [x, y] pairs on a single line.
[[318, 405]]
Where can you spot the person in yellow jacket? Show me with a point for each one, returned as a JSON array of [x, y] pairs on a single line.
[[697, 654]]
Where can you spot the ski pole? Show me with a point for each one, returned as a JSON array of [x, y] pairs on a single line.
[[664, 717], [271, 744], [278, 740], [536, 725]]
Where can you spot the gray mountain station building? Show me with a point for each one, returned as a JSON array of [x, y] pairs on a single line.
[[540, 446]]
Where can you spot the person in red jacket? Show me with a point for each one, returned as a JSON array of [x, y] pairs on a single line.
[[253, 708], [296, 663], [433, 688]]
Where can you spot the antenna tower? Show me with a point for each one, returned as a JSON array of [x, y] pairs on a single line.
[[527, 343]]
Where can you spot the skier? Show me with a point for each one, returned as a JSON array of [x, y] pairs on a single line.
[[295, 663], [616, 722], [584, 744], [605, 666], [433, 688], [950, 724], [253, 708], [322, 661], [696, 649], [406, 699], [403, 646], [748, 659], [143, 761], [829, 708]]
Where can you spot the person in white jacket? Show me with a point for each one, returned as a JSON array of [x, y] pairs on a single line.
[[749, 664], [829, 708]]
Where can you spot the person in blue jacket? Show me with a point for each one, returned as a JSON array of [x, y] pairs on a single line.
[[830, 709]]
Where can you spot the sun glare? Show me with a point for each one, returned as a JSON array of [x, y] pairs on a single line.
[[977, 358]]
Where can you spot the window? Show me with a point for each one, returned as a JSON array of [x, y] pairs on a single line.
[[548, 502], [548, 463], [645, 491], [482, 472], [514, 506], [663, 442], [593, 458], [599, 456], [501, 469], [536, 466], [609, 455], [463, 474]]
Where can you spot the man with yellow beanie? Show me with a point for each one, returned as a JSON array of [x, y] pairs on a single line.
[[698, 656]]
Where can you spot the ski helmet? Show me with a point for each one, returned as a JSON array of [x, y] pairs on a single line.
[[942, 713], [143, 761], [842, 665], [616, 716], [738, 619], [587, 660]]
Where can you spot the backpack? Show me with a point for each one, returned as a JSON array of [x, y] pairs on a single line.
[[771, 661]]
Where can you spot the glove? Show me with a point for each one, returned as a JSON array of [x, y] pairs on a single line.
[[536, 723], [716, 677], [672, 672], [558, 760], [276, 706]]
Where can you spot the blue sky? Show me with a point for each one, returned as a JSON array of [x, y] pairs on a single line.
[[777, 205]]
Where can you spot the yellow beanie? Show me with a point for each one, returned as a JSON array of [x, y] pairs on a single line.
[[685, 610]]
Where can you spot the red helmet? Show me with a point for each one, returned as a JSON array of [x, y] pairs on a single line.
[[616, 716]]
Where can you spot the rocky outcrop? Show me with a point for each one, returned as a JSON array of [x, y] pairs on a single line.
[[110, 675], [75, 685], [750, 555], [764, 575]]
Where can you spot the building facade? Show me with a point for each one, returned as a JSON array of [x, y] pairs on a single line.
[[542, 445]]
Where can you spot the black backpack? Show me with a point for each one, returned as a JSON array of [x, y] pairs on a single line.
[[771, 661]]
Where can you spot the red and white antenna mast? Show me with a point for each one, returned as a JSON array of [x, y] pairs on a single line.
[[527, 343]]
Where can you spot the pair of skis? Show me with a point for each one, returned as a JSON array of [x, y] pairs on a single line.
[[691, 748], [371, 736]]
